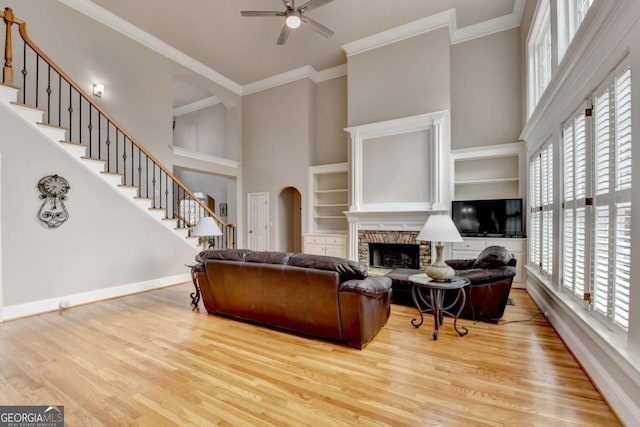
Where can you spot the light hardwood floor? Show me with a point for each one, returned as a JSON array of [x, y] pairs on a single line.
[[149, 360]]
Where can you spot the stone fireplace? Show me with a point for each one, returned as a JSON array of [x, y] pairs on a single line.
[[395, 246]]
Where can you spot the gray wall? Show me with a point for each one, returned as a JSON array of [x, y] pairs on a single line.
[[331, 141], [278, 129], [486, 90], [203, 131], [402, 79]]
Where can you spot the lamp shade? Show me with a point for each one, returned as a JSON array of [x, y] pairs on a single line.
[[439, 228], [207, 226]]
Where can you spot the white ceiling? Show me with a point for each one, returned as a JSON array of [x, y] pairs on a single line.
[[244, 50]]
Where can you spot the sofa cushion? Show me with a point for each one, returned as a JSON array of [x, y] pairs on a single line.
[[268, 257], [223, 254], [493, 256], [347, 269]]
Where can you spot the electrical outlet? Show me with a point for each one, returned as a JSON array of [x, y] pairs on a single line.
[[64, 304]]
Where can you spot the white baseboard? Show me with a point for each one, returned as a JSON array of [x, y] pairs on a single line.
[[52, 304], [617, 394]]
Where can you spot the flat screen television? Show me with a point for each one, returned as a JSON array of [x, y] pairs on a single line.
[[488, 218]]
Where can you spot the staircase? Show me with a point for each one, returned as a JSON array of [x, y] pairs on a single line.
[[75, 123]]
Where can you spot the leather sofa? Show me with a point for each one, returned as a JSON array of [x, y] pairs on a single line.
[[321, 296], [491, 275]]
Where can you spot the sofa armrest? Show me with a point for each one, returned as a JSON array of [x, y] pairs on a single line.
[[479, 276], [374, 287], [200, 275], [460, 264]]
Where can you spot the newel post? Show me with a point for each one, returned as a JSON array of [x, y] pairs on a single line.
[[7, 70]]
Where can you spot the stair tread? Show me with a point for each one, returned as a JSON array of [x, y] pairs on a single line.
[[143, 198], [73, 143], [158, 209], [10, 85], [52, 126], [127, 186], [31, 107], [93, 159], [112, 173]]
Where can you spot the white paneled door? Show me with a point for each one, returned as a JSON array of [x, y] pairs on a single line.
[[258, 221]]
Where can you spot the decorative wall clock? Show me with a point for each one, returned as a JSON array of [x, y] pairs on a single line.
[[54, 190]]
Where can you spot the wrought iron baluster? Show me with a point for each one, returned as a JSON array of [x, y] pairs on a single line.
[[108, 142], [24, 73], [117, 159], [70, 113], [59, 100], [37, 79], [124, 159], [153, 181], [147, 178], [80, 117], [49, 94], [132, 162], [160, 180], [166, 195], [90, 129], [139, 173], [99, 135]]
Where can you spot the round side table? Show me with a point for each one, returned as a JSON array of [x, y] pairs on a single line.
[[433, 303]]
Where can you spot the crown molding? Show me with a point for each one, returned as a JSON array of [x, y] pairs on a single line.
[[403, 32], [118, 24], [434, 22], [306, 72], [196, 106]]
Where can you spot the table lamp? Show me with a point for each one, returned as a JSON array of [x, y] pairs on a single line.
[[439, 228], [206, 227]]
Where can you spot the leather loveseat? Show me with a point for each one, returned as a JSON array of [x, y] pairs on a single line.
[[491, 275], [322, 296]]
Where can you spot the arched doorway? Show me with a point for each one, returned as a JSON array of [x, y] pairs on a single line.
[[290, 220]]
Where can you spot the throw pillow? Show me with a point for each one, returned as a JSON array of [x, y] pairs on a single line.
[[493, 256]]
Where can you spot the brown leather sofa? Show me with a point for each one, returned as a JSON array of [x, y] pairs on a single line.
[[491, 275], [322, 296]]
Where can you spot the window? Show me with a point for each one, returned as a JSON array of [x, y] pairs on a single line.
[[596, 214], [577, 11], [541, 214], [539, 54]]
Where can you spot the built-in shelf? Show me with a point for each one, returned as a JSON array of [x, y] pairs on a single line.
[[330, 197], [488, 172]]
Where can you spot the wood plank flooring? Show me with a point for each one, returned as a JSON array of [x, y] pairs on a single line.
[[149, 360]]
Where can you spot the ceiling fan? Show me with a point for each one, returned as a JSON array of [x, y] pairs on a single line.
[[294, 17]]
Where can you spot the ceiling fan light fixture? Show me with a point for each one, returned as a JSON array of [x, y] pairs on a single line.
[[293, 20]]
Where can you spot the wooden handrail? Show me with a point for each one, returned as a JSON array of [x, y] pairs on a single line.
[[10, 19]]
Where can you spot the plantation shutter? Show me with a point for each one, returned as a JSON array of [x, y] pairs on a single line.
[[546, 158], [535, 214], [575, 221], [612, 201], [622, 248]]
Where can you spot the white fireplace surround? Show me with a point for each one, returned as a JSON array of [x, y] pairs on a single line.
[[398, 216]]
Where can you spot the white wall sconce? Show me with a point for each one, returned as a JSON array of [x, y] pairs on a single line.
[[98, 89]]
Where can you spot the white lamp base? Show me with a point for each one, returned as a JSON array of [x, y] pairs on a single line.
[[439, 271]]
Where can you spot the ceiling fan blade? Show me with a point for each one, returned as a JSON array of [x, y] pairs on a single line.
[[312, 4], [318, 27], [261, 13], [283, 35]]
